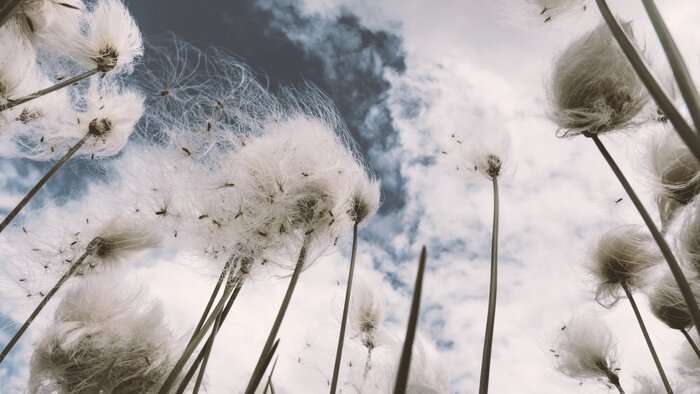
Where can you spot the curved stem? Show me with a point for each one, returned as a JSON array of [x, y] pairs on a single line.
[[691, 342], [94, 244], [259, 367], [8, 10], [17, 209], [405, 362], [675, 59], [650, 345], [656, 234], [687, 134], [346, 308], [43, 92], [491, 317]]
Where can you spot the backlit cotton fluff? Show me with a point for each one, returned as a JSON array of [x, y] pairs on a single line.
[[17, 63], [676, 171], [113, 40], [690, 236], [51, 24], [105, 336], [587, 350], [594, 89], [364, 197], [621, 257], [668, 305], [485, 154], [120, 239]]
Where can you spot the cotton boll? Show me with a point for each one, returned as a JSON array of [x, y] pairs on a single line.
[[668, 305], [113, 40], [364, 197], [622, 255], [104, 332], [485, 154], [676, 172], [587, 350], [593, 88]]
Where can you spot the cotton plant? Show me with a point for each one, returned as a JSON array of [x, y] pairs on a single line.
[[594, 90], [107, 335], [587, 350]]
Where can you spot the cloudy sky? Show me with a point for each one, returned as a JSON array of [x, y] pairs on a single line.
[[405, 75]]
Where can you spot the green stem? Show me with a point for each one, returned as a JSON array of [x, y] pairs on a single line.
[[266, 362], [259, 367], [8, 10], [346, 309], [10, 216], [90, 250], [214, 293], [13, 103], [269, 378], [650, 345], [687, 134], [675, 59], [207, 351], [691, 342], [656, 234], [405, 362], [493, 287]]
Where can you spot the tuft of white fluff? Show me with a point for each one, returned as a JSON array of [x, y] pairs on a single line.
[[594, 89], [647, 385], [689, 235], [587, 349], [622, 256], [121, 238], [668, 305], [367, 314], [676, 172], [52, 24], [17, 63], [364, 197], [485, 154], [107, 336], [110, 117], [113, 40]]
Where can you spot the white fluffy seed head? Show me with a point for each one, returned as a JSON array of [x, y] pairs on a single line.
[[17, 63], [110, 117], [113, 40], [105, 336], [622, 256], [676, 172], [668, 305], [594, 89], [52, 24], [120, 239], [367, 313], [364, 197], [689, 236], [485, 154], [587, 349]]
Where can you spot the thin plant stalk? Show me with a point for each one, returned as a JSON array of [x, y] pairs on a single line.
[[491, 316], [691, 342], [650, 345], [192, 345], [266, 362], [367, 365], [346, 309], [13, 103], [259, 370], [269, 378], [656, 234], [675, 59], [28, 197], [214, 293], [8, 10], [203, 355], [89, 251], [405, 362], [684, 130]]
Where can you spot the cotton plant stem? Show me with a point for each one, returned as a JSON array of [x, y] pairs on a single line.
[[491, 316], [691, 342], [656, 234], [259, 370], [214, 293], [405, 362], [207, 351], [8, 10], [684, 130], [346, 308], [17, 209], [650, 345], [675, 59], [367, 365], [269, 377], [266, 362], [43, 92], [190, 348], [89, 251]]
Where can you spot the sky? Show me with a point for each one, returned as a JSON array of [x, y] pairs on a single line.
[[405, 76]]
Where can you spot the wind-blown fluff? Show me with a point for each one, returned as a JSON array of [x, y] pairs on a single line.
[[668, 305], [622, 256], [367, 314], [587, 350], [105, 336], [113, 40], [593, 88], [689, 236], [676, 171], [17, 62]]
